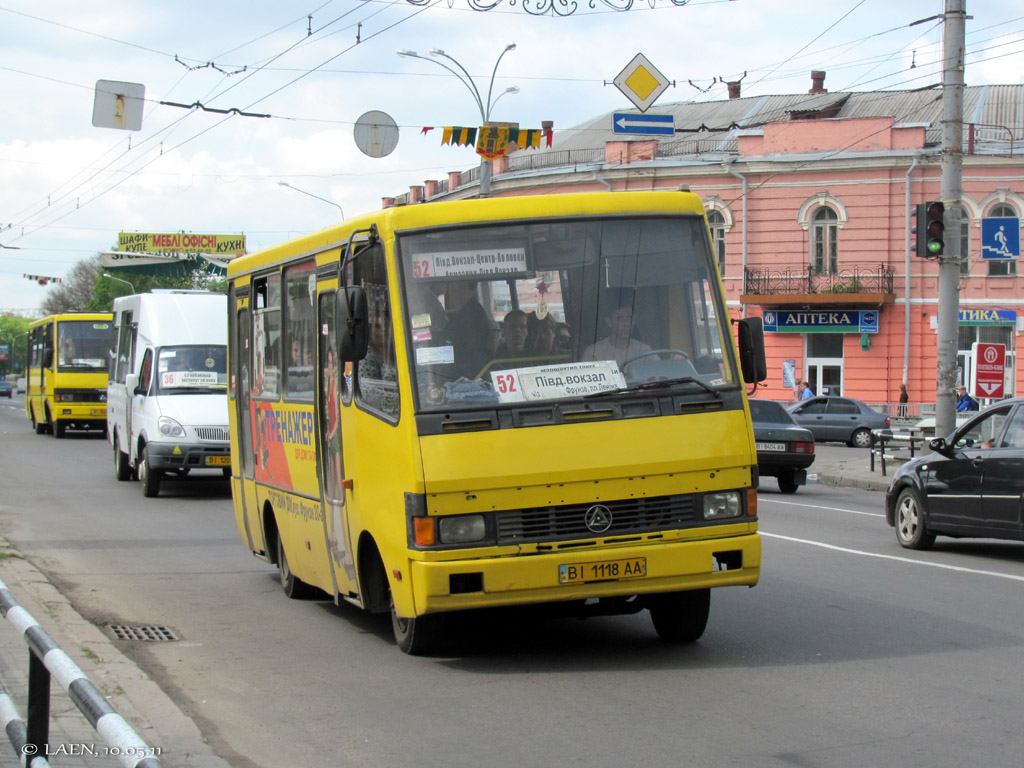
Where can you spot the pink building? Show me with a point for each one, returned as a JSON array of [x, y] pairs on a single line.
[[811, 198]]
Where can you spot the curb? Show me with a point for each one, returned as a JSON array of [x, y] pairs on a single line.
[[864, 483], [131, 692]]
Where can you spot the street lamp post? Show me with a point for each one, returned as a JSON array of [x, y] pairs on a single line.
[[310, 194], [108, 275], [485, 107]]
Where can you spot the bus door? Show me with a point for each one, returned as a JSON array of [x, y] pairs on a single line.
[[331, 464], [243, 393]]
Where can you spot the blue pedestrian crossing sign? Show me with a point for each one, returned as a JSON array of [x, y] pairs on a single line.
[[1000, 238], [645, 125]]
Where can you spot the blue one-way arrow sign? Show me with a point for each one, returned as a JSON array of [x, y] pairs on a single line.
[[649, 125]]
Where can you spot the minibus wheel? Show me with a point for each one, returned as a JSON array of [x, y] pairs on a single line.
[[149, 477], [417, 636], [680, 617], [58, 429], [293, 586], [122, 465]]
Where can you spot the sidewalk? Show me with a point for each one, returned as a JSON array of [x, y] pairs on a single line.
[[129, 690], [851, 467]]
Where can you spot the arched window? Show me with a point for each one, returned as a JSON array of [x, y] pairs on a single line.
[[825, 242], [1009, 266], [716, 220]]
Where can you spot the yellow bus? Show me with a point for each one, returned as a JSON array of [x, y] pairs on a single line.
[[68, 360], [497, 402]]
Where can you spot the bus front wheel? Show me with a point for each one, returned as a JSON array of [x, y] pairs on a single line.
[[417, 636], [122, 465], [149, 477], [680, 617]]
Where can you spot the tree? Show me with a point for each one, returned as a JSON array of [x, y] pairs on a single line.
[[75, 293], [14, 336]]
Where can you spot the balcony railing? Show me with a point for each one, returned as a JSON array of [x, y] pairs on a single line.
[[804, 279]]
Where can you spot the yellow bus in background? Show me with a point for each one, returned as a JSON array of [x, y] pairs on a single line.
[[66, 381], [497, 402]]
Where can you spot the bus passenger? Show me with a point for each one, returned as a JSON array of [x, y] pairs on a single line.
[[469, 328], [617, 345], [513, 334], [540, 340]]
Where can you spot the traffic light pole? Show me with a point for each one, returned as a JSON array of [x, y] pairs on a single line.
[[951, 192]]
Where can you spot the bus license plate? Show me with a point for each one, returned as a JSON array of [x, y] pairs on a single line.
[[604, 570], [770, 446], [218, 461]]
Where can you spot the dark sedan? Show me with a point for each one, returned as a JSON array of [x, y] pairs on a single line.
[[784, 450], [6, 388], [839, 419], [971, 486]]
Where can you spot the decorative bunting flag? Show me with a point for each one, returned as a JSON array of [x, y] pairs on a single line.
[[43, 279], [493, 141], [424, 131]]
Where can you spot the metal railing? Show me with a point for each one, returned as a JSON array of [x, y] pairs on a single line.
[[30, 738], [803, 278]]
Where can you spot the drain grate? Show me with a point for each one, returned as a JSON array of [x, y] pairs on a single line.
[[155, 634]]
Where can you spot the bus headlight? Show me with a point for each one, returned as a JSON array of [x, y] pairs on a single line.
[[722, 505], [169, 427], [461, 529]]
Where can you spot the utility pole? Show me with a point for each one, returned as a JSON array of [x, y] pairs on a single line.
[[951, 192]]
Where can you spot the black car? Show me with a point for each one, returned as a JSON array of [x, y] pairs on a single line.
[[784, 450], [6, 388], [839, 419], [971, 486]]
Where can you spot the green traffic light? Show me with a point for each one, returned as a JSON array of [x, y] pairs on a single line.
[[934, 247]]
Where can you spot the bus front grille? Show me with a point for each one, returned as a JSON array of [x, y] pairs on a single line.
[[628, 516]]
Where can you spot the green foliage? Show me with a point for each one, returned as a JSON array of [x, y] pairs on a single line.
[[14, 334]]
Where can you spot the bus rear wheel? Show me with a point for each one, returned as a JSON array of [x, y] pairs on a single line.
[[680, 617], [293, 586], [418, 636]]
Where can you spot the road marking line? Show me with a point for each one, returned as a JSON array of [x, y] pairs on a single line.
[[942, 566], [761, 499]]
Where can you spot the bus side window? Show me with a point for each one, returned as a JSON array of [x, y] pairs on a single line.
[[267, 336], [299, 331], [378, 371]]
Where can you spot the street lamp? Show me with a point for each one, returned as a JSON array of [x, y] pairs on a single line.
[[107, 274], [324, 199], [485, 107]]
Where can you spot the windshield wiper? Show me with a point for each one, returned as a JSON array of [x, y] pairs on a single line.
[[655, 384]]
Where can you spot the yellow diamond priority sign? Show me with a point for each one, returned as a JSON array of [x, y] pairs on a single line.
[[641, 82]]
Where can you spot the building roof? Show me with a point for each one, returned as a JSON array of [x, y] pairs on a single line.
[[712, 127]]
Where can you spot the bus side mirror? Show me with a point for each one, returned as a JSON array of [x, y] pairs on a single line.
[[48, 359], [353, 324], [131, 383], [750, 337]]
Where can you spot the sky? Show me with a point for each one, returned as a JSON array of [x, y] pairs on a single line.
[[67, 188]]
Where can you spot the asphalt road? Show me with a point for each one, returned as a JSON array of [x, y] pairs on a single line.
[[851, 651]]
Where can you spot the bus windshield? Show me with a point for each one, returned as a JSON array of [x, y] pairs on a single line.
[[83, 345], [507, 314], [192, 369]]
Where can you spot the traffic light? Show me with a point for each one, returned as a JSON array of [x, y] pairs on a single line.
[[930, 230]]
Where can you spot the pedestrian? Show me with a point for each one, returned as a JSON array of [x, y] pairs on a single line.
[[797, 389], [904, 399], [965, 402], [806, 393]]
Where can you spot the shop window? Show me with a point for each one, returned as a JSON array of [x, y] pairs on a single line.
[[999, 267]]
